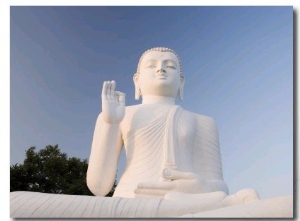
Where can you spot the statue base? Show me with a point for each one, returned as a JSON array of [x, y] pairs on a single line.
[[42, 205]]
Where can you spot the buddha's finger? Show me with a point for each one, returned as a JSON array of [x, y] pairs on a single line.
[[150, 193], [121, 97], [156, 185], [104, 91], [148, 196], [108, 94], [112, 89], [171, 174]]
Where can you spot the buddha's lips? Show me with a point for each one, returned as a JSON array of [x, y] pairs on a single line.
[[161, 75]]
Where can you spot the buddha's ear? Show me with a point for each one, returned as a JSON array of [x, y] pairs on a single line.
[[180, 92], [137, 92]]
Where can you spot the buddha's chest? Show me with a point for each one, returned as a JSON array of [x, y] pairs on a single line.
[[166, 133], [156, 119]]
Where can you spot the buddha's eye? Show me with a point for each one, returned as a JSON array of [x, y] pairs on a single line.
[[151, 66], [152, 63], [171, 66]]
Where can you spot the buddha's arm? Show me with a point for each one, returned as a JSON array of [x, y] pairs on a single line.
[[105, 152], [207, 156], [107, 142]]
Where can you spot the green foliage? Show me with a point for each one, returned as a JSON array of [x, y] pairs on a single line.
[[50, 171]]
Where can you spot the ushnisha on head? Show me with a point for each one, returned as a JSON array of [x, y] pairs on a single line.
[[159, 73]]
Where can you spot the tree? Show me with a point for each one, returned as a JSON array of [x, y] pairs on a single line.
[[50, 171]]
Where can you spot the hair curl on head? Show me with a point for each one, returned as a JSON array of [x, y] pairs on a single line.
[[160, 49]]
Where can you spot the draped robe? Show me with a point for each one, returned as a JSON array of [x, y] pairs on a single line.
[[169, 139]]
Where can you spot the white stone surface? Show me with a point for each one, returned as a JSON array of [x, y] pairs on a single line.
[[280, 207], [167, 148], [173, 165], [42, 205]]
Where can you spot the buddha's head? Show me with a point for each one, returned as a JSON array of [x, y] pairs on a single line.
[[159, 73]]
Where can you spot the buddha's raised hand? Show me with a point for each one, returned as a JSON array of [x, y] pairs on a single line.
[[113, 103]]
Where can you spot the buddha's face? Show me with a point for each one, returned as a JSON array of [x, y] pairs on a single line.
[[159, 74]]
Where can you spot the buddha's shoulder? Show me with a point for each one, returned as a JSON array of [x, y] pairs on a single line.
[[132, 107], [199, 117]]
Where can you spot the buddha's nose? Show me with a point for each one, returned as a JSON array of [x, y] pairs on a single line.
[[161, 70]]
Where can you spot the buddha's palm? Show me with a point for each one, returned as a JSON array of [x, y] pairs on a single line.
[[113, 103]]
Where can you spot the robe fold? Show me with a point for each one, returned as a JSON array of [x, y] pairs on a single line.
[[150, 149]]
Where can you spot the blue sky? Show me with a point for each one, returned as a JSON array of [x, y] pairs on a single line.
[[237, 62]]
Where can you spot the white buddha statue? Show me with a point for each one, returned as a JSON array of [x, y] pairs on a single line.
[[173, 159], [168, 149]]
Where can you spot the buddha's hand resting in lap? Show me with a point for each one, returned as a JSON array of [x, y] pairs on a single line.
[[113, 103], [176, 181]]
